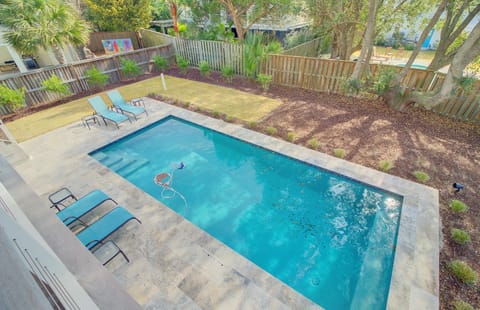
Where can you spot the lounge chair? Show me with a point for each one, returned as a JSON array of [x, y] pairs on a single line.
[[105, 226], [102, 110], [82, 206], [122, 105]]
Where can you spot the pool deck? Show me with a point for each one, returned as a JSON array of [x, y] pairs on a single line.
[[175, 264]]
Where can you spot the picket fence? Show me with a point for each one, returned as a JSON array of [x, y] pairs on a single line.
[[74, 74]]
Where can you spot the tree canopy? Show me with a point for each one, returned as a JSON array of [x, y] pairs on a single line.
[[119, 15], [42, 23]]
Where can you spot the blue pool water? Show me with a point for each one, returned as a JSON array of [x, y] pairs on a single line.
[[330, 238]]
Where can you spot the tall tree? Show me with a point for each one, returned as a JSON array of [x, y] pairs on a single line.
[[245, 13], [367, 42], [119, 15], [468, 51], [174, 13], [459, 14], [42, 24]]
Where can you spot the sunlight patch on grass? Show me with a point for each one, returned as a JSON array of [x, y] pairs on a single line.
[[237, 104]]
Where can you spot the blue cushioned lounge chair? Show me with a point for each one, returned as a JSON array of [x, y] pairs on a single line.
[[122, 105], [105, 226], [82, 206], [102, 110]]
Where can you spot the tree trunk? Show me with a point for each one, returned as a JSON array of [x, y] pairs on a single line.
[[367, 43], [173, 12], [58, 52], [451, 29], [467, 52], [392, 95], [239, 27]]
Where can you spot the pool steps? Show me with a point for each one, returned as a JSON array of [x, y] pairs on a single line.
[[123, 164]]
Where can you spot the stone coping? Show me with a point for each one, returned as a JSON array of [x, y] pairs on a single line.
[[415, 277]]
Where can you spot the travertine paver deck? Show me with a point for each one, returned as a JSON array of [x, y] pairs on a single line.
[[175, 264]]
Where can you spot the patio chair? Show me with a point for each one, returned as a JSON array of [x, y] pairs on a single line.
[[101, 229], [82, 206], [102, 110], [122, 105]]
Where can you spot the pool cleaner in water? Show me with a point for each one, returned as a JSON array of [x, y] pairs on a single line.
[[165, 180]]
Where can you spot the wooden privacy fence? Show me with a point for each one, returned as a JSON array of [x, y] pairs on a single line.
[[307, 49], [74, 74], [96, 46], [327, 75], [218, 54]]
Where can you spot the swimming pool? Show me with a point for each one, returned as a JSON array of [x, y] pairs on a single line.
[[328, 237]]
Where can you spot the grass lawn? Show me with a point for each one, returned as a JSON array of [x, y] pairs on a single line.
[[238, 104]]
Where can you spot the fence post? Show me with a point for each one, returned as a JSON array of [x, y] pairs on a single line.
[[75, 74]]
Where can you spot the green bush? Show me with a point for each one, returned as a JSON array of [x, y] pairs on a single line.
[[182, 64], [460, 236], [271, 130], [227, 73], [340, 153], [352, 86], [385, 165], [252, 124], [264, 80], [421, 176], [291, 136], [463, 272], [204, 68], [461, 305], [228, 118], [96, 78], [55, 85], [12, 98], [458, 206], [383, 80], [129, 68], [161, 63], [313, 143], [216, 114]]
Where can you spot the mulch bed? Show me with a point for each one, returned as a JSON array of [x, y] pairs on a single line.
[[370, 131]]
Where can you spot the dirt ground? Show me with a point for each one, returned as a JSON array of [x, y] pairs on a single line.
[[369, 131]]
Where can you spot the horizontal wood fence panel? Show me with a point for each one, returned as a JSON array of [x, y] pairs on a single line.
[[327, 75], [75, 76]]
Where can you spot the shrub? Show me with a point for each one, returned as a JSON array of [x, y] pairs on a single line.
[[460, 236], [352, 86], [421, 176], [186, 104], [252, 124], [463, 272], [461, 305], [383, 80], [12, 98], [216, 114], [313, 143], [160, 62], [458, 206], [227, 73], [55, 85], [340, 153], [204, 68], [271, 130], [129, 68], [182, 64], [96, 78], [385, 165], [228, 118], [264, 80], [291, 136]]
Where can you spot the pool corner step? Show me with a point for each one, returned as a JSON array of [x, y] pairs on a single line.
[[137, 164]]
